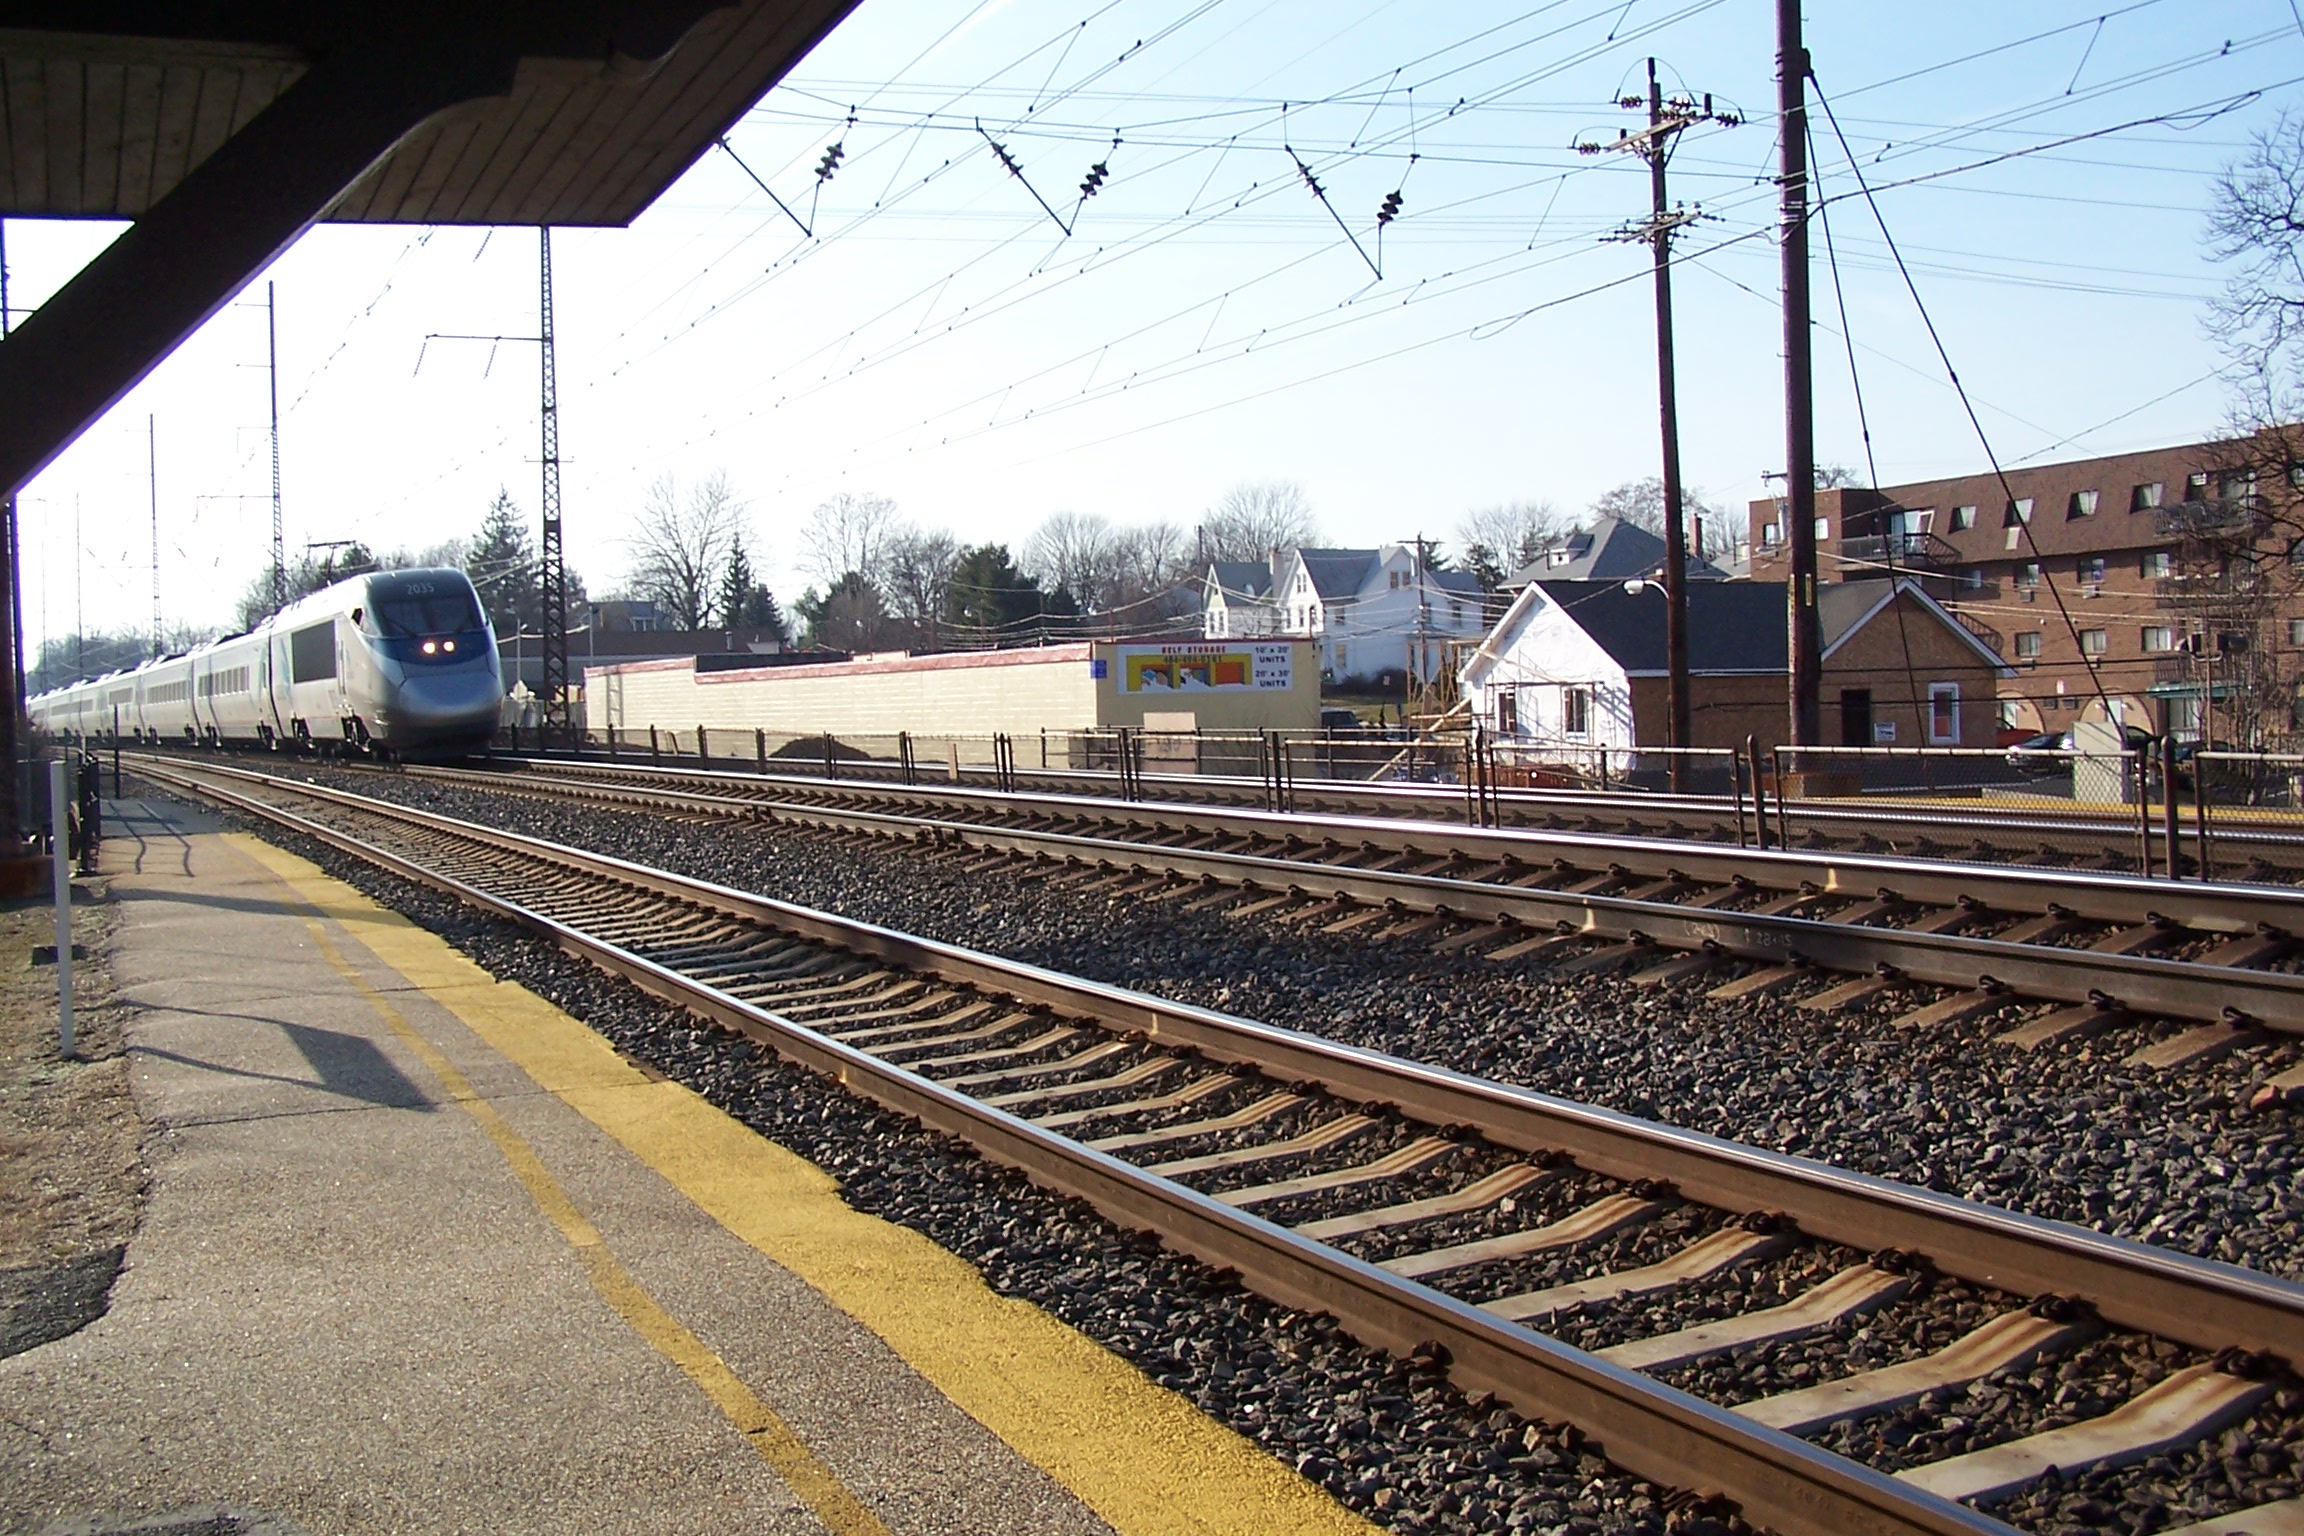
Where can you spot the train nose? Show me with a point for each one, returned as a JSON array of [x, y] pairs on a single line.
[[433, 700]]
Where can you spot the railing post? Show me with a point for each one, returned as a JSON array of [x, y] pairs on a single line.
[[1736, 790], [2172, 846], [760, 746], [1759, 793], [703, 751], [829, 771], [655, 748], [515, 738], [2203, 857], [611, 743], [2142, 763], [904, 756], [1783, 815]]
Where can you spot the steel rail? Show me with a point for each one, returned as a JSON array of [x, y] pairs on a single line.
[[2177, 989], [2226, 907], [2195, 1301], [1432, 803]]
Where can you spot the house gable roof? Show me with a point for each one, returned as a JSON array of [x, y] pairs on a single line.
[[1610, 550], [1241, 578], [1336, 573], [1844, 607]]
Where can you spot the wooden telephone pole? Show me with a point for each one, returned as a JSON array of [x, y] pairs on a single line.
[[1803, 647], [1667, 120]]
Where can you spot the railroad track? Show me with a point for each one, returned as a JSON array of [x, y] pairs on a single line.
[[1940, 943], [1914, 824], [1420, 1207]]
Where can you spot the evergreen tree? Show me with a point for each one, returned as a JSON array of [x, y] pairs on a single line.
[[502, 565], [736, 585], [762, 611], [990, 596]]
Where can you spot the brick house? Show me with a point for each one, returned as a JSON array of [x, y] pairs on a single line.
[[2088, 577]]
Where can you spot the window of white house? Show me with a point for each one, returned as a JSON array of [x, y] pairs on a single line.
[[1944, 714], [2156, 564], [1394, 583], [2143, 498], [2082, 504], [2090, 570], [2094, 642], [1455, 612], [2158, 637], [2028, 574], [2027, 645], [1962, 518], [1339, 654], [1576, 711], [1507, 712]]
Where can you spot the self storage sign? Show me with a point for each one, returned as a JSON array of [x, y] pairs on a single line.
[[1214, 668]]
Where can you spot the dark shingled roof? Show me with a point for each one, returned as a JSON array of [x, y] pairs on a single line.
[[1337, 572], [1733, 626], [1610, 550], [1244, 578]]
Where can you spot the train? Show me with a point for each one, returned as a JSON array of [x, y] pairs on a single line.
[[393, 664]]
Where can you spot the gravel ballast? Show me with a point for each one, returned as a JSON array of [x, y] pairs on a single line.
[[2068, 1131]]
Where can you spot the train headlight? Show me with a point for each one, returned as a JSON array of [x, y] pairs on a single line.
[[431, 646], [448, 645]]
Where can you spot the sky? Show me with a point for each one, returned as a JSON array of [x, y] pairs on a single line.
[[987, 348]]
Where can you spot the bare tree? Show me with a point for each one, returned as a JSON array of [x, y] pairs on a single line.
[[1072, 551], [848, 532], [916, 573], [1641, 503], [680, 546], [1256, 517], [1509, 535]]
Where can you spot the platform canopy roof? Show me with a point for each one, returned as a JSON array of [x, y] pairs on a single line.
[[107, 107]]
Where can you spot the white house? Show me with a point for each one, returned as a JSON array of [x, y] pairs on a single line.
[[1581, 664], [1372, 611], [1237, 601]]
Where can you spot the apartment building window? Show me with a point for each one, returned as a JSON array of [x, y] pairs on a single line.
[[2094, 642], [2028, 575], [2240, 486], [1771, 535], [1963, 518], [2296, 631], [1944, 714], [2296, 477], [2082, 504], [1973, 578], [1576, 711], [2027, 645], [2296, 553], [1823, 528], [2196, 485], [2156, 564], [2143, 498], [2019, 512], [2090, 570], [2158, 637]]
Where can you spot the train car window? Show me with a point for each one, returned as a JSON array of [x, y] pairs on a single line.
[[312, 652], [419, 610]]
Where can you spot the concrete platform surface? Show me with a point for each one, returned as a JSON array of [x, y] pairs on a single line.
[[422, 1254]]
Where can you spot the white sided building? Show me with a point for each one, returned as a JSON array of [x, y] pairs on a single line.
[[1368, 613]]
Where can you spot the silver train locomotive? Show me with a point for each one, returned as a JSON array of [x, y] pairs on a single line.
[[394, 663]]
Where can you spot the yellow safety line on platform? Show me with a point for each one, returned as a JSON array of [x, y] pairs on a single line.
[[1143, 1458], [770, 1435]]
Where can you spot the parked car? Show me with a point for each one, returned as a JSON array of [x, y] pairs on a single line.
[[1335, 718], [2033, 755]]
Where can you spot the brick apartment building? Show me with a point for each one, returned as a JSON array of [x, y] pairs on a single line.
[[2178, 569]]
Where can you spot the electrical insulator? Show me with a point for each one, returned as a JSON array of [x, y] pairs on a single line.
[[1390, 210], [830, 163], [1096, 175]]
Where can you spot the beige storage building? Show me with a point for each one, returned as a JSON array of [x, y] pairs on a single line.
[[1207, 685]]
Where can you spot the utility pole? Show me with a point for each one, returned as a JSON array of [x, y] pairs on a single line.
[[1667, 120], [272, 364], [1803, 645], [11, 571], [152, 468], [555, 573]]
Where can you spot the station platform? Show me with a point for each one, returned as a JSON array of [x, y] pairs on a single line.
[[422, 1253]]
